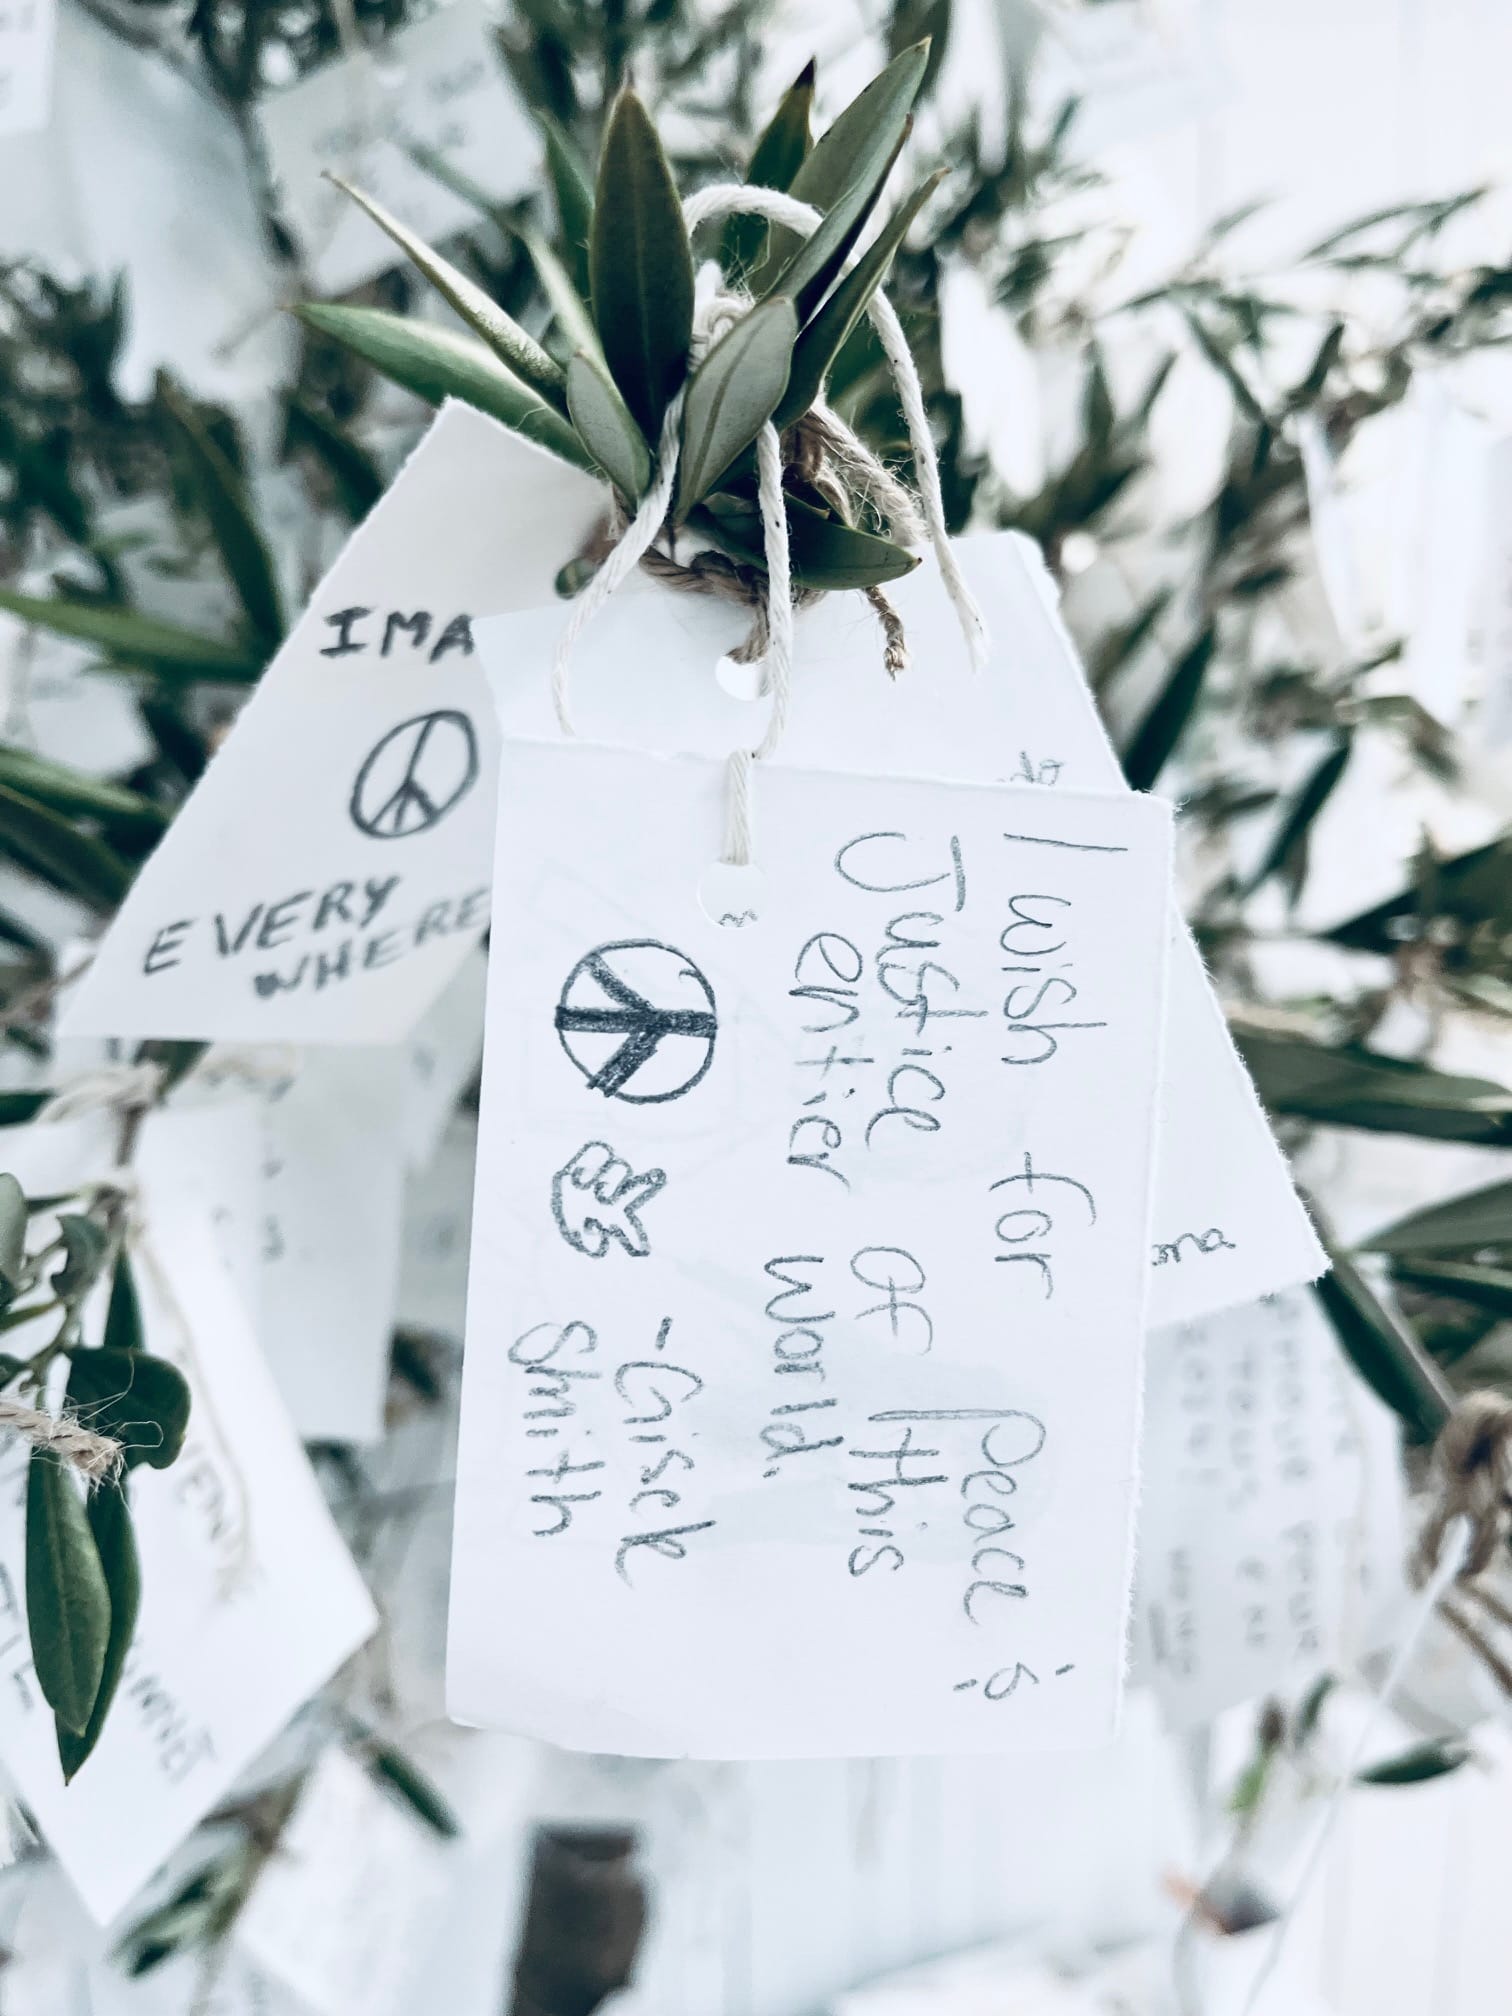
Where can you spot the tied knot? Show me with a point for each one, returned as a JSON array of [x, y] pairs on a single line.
[[1472, 1472]]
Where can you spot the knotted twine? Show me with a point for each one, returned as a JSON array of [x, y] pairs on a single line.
[[828, 441]]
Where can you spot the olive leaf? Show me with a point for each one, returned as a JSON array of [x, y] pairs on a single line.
[[67, 1599], [819, 345], [438, 364], [843, 177], [65, 790], [1155, 739], [124, 1330], [140, 1401], [59, 854], [1287, 853], [16, 1108], [732, 394], [414, 1788], [1354, 1087], [779, 153], [1383, 1351], [569, 309], [355, 476], [515, 349], [110, 1524], [139, 643], [1434, 1757], [641, 265], [83, 1249], [13, 1222], [824, 553], [572, 186], [1485, 1288], [222, 496], [606, 427], [1467, 1224]]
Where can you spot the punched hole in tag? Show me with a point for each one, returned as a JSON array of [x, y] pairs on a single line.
[[742, 679], [732, 894]]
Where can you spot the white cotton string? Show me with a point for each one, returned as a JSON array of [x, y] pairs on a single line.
[[635, 541], [727, 199], [778, 662], [1453, 1555], [122, 1088]]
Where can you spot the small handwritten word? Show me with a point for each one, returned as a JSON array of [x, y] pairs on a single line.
[[897, 1275], [1023, 941], [657, 1384], [1003, 1684], [541, 1353], [455, 636], [442, 919], [798, 1347], [1031, 1222], [178, 1744], [1211, 1241]]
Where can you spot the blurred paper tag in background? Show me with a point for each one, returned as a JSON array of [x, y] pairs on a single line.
[[809, 1265], [433, 89], [1271, 1527], [339, 1915], [329, 875], [26, 61], [1228, 1225], [250, 1600]]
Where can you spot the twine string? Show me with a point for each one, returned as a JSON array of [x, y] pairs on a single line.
[[97, 1457]]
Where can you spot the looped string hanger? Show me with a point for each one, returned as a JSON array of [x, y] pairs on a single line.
[[639, 536]]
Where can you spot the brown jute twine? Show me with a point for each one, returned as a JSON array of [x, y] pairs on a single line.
[[97, 1457], [817, 454], [1471, 1472]]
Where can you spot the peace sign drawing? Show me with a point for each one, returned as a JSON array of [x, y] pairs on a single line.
[[413, 777], [637, 1019]]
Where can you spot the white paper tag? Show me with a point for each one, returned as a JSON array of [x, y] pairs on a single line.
[[332, 1203], [440, 1058], [1228, 1225], [1271, 1522], [250, 1600], [439, 86], [330, 873], [809, 1264], [339, 1914], [26, 64], [437, 1212]]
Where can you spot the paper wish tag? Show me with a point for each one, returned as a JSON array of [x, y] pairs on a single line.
[[250, 1600], [1271, 1530], [26, 62], [1228, 1225], [339, 1915], [438, 87], [809, 1265], [329, 875]]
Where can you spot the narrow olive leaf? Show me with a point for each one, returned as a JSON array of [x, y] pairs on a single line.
[[1122, 645], [1467, 1224], [415, 1789], [819, 345], [572, 186], [1291, 836], [222, 496], [1469, 888], [1435, 1757], [606, 426], [142, 1401], [139, 643], [17, 1108], [355, 476], [1162, 728], [1383, 1351], [438, 364], [124, 1329], [62, 855], [825, 553], [642, 266], [1485, 1288], [843, 177], [13, 1221], [66, 790], [1310, 386], [84, 1246], [568, 308], [776, 158], [1354, 1087], [67, 1600], [514, 348], [115, 1542], [732, 395], [1311, 1710]]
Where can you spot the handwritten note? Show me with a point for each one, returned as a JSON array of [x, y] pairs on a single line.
[[437, 87], [330, 873], [1270, 1521], [808, 1265], [26, 63], [339, 1915], [1228, 1225], [250, 1600]]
